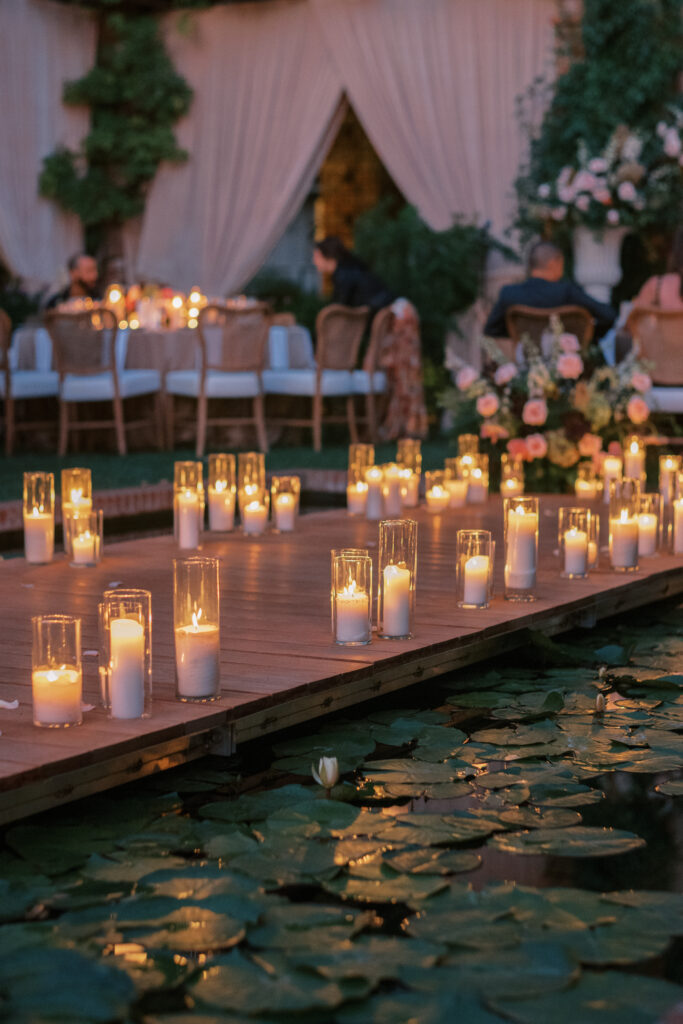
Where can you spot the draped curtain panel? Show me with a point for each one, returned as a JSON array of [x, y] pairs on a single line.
[[267, 105], [434, 83], [42, 45]]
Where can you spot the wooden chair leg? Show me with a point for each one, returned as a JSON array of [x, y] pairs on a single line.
[[9, 426], [202, 402], [371, 416], [317, 423], [260, 419], [351, 417], [159, 420], [63, 426], [118, 422], [169, 412]]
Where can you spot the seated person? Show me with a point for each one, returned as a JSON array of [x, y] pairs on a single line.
[[83, 281], [354, 284], [545, 288], [666, 291]]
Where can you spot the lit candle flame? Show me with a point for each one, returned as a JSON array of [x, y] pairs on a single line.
[[196, 616]]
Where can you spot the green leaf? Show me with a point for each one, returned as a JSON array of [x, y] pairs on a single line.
[[580, 841]]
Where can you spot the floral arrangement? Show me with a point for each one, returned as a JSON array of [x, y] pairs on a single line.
[[635, 181], [554, 408]]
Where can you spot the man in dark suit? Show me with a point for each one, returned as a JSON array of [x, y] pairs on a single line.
[[545, 288], [83, 278]]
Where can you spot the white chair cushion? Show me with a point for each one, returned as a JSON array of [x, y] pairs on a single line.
[[218, 384], [278, 347], [31, 383], [99, 387], [665, 399], [361, 382], [302, 382]]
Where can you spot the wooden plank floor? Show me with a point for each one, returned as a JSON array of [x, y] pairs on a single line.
[[278, 664]]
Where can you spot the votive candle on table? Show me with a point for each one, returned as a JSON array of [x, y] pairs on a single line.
[[521, 547], [391, 489], [351, 594], [473, 568], [634, 457], [593, 539], [39, 517], [126, 652], [196, 620], [285, 493], [456, 479], [611, 470], [188, 503], [84, 533], [678, 526], [397, 578], [623, 524], [437, 495], [374, 505], [478, 489], [586, 485], [222, 491], [649, 524], [410, 487], [57, 679], [511, 476], [76, 496], [574, 541], [253, 502], [356, 497], [669, 466]]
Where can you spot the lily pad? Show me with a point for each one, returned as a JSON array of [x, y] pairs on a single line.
[[580, 841]]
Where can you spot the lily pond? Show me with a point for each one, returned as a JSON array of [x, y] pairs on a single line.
[[503, 844]]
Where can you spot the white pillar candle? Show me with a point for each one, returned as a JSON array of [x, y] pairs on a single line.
[[647, 534], [634, 461], [83, 548], [623, 541], [374, 507], [127, 668], [592, 554], [667, 473], [476, 582], [391, 492], [39, 536], [57, 696], [478, 489], [575, 552], [353, 615], [285, 512], [254, 517], [437, 498], [611, 470], [188, 519], [512, 487], [197, 654], [221, 507], [586, 489], [356, 498], [75, 503], [396, 601], [457, 492], [410, 488], [678, 527], [520, 562]]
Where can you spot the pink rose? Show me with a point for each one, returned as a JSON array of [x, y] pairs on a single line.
[[558, 213], [566, 194], [466, 378], [590, 445], [582, 203], [598, 165], [613, 217], [493, 431], [504, 374], [517, 447], [603, 195], [535, 412], [614, 448], [584, 182], [637, 409], [570, 366], [641, 381], [672, 143], [627, 191], [536, 446], [488, 404], [569, 343]]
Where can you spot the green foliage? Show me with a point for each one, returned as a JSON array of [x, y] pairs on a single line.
[[18, 304], [136, 97], [286, 296]]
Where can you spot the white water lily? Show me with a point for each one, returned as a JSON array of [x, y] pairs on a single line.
[[599, 704], [327, 774]]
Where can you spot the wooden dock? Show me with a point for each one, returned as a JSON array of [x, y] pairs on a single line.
[[278, 664]]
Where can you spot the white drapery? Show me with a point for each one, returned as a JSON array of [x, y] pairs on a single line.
[[434, 84], [42, 45], [266, 108]]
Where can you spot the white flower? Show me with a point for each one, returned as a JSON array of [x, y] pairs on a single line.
[[627, 191], [543, 191], [599, 704], [612, 216], [631, 149], [672, 143], [327, 774]]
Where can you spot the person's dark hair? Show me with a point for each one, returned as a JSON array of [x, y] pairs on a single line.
[[543, 253], [73, 260], [333, 248]]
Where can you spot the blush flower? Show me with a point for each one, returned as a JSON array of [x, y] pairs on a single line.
[[613, 217], [569, 343], [517, 448], [570, 366], [590, 445], [672, 143], [488, 404], [641, 381], [504, 374], [582, 203], [627, 192], [614, 448], [536, 446], [493, 432], [637, 409], [466, 377], [535, 412]]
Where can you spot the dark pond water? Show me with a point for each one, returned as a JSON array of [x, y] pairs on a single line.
[[497, 848]]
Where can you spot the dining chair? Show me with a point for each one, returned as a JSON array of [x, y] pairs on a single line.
[[370, 381], [534, 322], [232, 349], [17, 385], [658, 335], [85, 349], [339, 331]]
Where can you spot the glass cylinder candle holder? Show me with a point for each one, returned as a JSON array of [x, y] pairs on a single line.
[[521, 547], [76, 497], [593, 539], [83, 532], [468, 444], [436, 493], [677, 526], [351, 598], [634, 457], [612, 469], [574, 540], [478, 489], [623, 524], [586, 485], [285, 493], [196, 621], [669, 468], [254, 502], [251, 470], [57, 678], [361, 456], [356, 491], [335, 553], [39, 517], [374, 505], [126, 652], [222, 491], [474, 568], [456, 481], [409, 454], [188, 502], [397, 575], [649, 524], [511, 476], [391, 489], [410, 487]]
